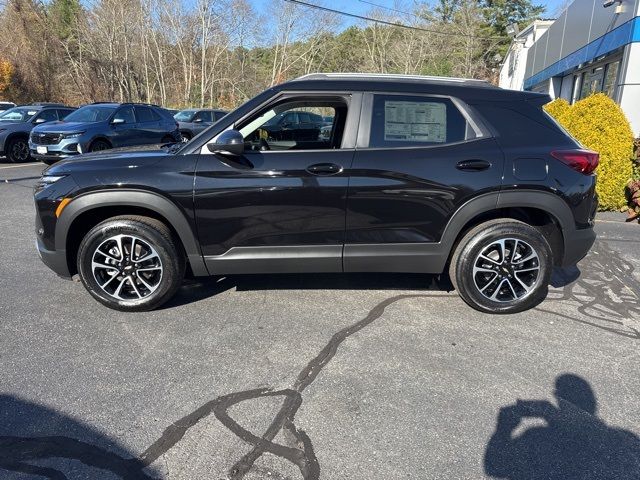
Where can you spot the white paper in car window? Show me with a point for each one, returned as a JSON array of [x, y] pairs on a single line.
[[415, 121]]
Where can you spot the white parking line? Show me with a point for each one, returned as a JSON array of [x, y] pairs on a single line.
[[21, 166]]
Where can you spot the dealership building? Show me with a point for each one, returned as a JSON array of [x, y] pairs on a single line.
[[594, 46]]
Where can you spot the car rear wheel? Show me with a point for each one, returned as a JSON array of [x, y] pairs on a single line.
[[99, 145], [502, 266], [18, 150], [131, 263], [185, 137]]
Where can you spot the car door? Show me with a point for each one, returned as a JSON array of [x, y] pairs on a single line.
[[419, 159], [124, 131], [277, 210], [148, 125]]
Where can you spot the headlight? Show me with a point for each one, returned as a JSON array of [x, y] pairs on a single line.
[[73, 135]]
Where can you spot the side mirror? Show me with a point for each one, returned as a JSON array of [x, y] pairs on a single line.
[[39, 120], [117, 121], [197, 120], [230, 142]]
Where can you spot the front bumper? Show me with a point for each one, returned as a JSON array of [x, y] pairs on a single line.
[[56, 260], [577, 244], [59, 151]]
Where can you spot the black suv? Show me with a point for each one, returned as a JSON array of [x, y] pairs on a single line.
[[418, 174]]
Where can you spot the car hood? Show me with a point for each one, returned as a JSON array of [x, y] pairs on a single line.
[[130, 157], [61, 126]]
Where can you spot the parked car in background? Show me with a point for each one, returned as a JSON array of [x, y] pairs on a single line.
[[101, 126], [172, 111], [193, 120], [419, 174], [295, 125], [17, 122], [4, 106]]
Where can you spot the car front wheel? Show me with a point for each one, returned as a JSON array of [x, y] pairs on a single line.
[[131, 263], [18, 150], [502, 266]]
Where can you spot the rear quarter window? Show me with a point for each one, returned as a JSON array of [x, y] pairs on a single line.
[[405, 121]]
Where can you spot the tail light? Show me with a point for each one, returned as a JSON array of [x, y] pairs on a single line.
[[583, 161]]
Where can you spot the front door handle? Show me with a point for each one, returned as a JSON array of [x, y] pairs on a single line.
[[473, 165], [324, 169]]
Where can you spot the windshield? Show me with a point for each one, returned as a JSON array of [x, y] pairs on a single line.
[[17, 114], [91, 113], [184, 115]]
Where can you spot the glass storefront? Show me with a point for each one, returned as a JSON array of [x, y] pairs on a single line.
[[600, 78]]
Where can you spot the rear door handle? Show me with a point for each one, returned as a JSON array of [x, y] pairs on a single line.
[[324, 169], [473, 165]]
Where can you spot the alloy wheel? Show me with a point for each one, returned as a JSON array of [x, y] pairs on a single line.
[[126, 267], [20, 151], [508, 269]]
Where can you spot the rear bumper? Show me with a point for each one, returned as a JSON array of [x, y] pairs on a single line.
[[56, 260], [577, 244]]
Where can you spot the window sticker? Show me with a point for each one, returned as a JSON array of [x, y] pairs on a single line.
[[415, 121]]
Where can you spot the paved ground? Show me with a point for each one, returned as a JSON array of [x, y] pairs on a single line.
[[348, 377]]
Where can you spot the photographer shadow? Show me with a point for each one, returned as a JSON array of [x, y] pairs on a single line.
[[574, 443]]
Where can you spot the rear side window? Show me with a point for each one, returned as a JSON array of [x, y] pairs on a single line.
[[63, 113], [219, 115], [405, 121], [205, 116], [145, 114]]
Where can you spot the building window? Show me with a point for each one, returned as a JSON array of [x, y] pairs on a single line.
[[611, 79]]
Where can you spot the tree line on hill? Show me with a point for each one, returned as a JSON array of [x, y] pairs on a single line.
[[219, 53]]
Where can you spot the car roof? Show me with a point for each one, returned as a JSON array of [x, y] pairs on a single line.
[[376, 82]]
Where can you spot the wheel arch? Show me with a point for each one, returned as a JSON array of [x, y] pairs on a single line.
[[86, 211], [101, 138], [543, 210]]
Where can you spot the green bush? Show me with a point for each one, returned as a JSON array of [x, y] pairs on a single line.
[[599, 124]]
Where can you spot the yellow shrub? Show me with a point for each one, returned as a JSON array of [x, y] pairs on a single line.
[[599, 124], [558, 108]]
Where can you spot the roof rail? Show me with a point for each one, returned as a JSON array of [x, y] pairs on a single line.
[[48, 104], [391, 76]]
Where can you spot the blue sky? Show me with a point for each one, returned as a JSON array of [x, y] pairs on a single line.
[[362, 7]]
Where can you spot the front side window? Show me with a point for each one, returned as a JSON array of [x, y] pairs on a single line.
[[297, 124], [404, 121], [126, 114], [47, 116], [203, 116]]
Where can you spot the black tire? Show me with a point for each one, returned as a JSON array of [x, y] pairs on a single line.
[[186, 136], [17, 150], [148, 232], [99, 145], [167, 139], [510, 270], [49, 161]]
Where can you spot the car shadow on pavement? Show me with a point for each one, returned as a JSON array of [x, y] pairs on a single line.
[[198, 289], [39, 441], [573, 443]]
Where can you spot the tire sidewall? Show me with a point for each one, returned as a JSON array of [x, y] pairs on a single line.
[[167, 253], [92, 148], [464, 269], [10, 147]]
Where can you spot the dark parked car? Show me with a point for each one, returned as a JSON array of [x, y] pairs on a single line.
[[419, 174], [193, 121], [295, 125], [16, 124], [101, 126]]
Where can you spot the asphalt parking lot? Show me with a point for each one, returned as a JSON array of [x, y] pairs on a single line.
[[317, 376]]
